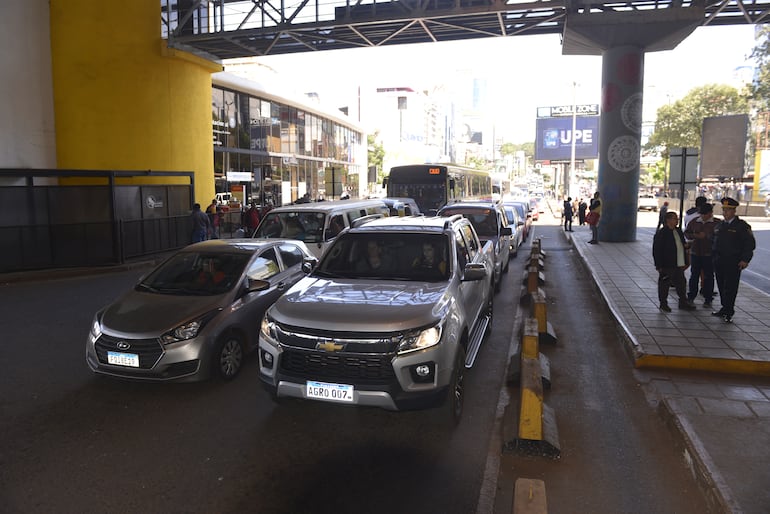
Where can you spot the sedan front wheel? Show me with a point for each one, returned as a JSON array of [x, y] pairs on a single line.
[[228, 358]]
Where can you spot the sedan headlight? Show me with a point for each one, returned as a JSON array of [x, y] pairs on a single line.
[[96, 330], [188, 330], [421, 339]]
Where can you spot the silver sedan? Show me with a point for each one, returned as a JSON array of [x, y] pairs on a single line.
[[197, 314]]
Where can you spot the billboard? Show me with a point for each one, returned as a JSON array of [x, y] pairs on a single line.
[[553, 141], [723, 146]]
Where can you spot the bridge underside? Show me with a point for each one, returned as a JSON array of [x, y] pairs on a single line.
[[226, 29]]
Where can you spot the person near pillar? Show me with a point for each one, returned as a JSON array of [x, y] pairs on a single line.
[[700, 231], [568, 214], [671, 256], [733, 249], [582, 206], [593, 217]]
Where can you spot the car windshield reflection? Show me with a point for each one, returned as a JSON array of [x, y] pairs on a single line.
[[387, 257], [196, 274]]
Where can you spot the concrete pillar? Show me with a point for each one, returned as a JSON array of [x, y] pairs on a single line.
[[620, 141]]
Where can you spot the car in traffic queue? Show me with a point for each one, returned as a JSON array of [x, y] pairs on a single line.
[[522, 208], [196, 315], [647, 202], [390, 317], [517, 226], [491, 224]]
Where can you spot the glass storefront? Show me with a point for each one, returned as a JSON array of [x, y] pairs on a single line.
[[288, 149]]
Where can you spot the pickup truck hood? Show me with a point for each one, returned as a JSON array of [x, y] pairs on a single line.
[[361, 306]]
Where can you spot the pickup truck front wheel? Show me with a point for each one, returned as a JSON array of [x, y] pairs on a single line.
[[453, 407]]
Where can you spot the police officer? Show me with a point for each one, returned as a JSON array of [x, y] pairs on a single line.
[[733, 249]]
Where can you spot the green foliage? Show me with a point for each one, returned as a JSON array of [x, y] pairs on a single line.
[[680, 123], [512, 148], [375, 154], [759, 91]]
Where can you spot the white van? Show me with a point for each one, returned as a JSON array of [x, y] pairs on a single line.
[[317, 223]]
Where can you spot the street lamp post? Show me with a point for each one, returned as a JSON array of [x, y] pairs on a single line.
[[572, 140]]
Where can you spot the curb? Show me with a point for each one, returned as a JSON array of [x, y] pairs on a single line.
[[717, 493], [59, 273]]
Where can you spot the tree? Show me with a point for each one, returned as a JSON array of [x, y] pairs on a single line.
[[680, 123], [375, 154], [758, 92]]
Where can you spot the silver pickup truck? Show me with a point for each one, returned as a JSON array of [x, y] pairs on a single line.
[[390, 317]]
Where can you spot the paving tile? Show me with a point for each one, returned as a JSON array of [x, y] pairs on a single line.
[[684, 405], [761, 409], [728, 408], [742, 392], [701, 389]]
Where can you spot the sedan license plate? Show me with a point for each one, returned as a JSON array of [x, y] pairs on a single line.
[[330, 392], [123, 359]]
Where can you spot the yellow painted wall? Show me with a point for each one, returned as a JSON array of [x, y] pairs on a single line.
[[122, 100]]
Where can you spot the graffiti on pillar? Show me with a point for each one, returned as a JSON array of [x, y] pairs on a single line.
[[623, 153], [631, 112], [611, 96], [629, 69]]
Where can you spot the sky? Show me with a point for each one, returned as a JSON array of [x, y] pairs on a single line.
[[522, 72]]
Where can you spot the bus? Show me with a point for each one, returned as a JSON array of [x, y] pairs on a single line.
[[434, 185]]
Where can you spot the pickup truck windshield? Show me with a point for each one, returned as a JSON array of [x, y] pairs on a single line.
[[388, 256]]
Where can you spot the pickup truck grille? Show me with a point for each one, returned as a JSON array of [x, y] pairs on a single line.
[[338, 366], [370, 344]]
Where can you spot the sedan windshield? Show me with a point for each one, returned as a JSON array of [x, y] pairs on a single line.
[[196, 274]]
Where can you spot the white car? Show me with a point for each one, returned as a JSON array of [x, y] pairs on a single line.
[[648, 203]]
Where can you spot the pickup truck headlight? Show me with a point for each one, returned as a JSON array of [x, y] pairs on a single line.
[[420, 339], [267, 329]]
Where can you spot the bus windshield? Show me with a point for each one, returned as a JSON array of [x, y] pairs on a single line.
[[433, 186]]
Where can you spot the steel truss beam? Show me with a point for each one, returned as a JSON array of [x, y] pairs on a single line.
[[238, 28]]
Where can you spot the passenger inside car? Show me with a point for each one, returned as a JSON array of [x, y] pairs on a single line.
[[429, 261], [374, 259]]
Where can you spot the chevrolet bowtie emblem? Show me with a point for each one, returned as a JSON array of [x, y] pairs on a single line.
[[329, 346]]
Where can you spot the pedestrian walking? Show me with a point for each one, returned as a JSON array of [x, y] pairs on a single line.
[[671, 256], [662, 216], [200, 224], [568, 214], [733, 249], [593, 217], [582, 206], [700, 232], [693, 212]]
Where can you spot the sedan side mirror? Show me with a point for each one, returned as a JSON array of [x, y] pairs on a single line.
[[257, 285]]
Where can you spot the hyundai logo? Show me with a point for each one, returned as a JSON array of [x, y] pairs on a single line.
[[122, 345]]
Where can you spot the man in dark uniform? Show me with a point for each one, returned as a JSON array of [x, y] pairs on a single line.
[[733, 249]]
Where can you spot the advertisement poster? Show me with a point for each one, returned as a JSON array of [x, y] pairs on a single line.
[[553, 141]]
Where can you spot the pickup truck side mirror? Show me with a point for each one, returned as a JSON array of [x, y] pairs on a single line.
[[506, 231], [474, 271], [309, 264]]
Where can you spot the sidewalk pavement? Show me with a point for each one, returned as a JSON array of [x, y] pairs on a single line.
[[712, 379]]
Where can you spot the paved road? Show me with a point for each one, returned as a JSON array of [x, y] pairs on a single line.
[[73, 442]]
